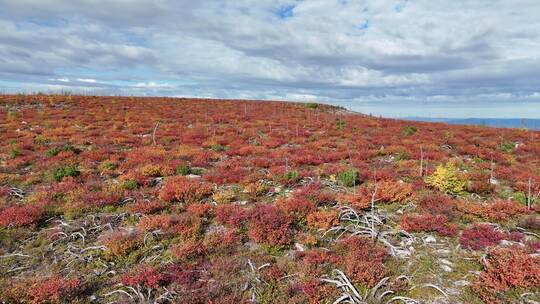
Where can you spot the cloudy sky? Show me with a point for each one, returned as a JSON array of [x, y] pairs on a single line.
[[477, 58]]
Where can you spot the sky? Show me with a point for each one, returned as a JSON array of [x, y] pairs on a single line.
[[395, 58]]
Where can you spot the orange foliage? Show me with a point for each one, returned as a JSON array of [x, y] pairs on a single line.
[[183, 189]]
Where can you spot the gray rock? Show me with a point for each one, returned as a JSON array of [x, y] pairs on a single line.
[[430, 239]]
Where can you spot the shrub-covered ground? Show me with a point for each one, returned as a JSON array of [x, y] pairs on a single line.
[[154, 200]]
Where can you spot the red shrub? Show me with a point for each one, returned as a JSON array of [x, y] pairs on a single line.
[[363, 260], [183, 189], [316, 262], [120, 242], [479, 183], [273, 273], [155, 222], [393, 191], [189, 250], [437, 203], [480, 236], [185, 225], [53, 290], [313, 292], [507, 268], [296, 208], [530, 221], [200, 210], [360, 200], [323, 219], [231, 215], [268, 225], [223, 241], [314, 193], [21, 215], [143, 276], [226, 175], [98, 198], [427, 223], [503, 210]]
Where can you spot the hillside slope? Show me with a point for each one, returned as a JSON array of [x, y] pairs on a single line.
[[160, 200]]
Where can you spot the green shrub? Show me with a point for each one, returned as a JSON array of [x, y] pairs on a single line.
[[520, 197], [68, 170], [130, 185], [14, 152], [508, 147], [183, 170], [291, 175], [217, 147], [107, 165], [311, 105], [348, 178], [52, 152], [340, 124], [409, 130]]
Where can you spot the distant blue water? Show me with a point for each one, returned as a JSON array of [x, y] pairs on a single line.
[[531, 124]]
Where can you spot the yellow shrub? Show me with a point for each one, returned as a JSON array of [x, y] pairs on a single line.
[[446, 179], [224, 196]]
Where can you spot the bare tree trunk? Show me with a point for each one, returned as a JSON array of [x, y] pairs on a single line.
[[373, 210], [154, 134], [529, 195], [421, 161]]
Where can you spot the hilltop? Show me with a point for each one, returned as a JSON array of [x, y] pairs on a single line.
[[178, 200]]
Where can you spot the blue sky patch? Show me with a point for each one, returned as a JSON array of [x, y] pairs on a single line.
[[286, 11]]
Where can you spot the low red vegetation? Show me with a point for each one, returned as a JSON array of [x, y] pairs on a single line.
[[323, 219], [200, 210], [120, 243], [147, 207], [317, 261], [363, 260], [185, 225], [480, 236], [183, 189], [314, 193], [54, 290], [269, 225], [231, 215], [21, 215], [189, 250], [499, 210], [428, 223], [313, 292], [296, 208], [507, 268], [143, 276], [438, 204], [393, 191], [224, 242]]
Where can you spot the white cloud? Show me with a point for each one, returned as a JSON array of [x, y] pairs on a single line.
[[152, 85], [89, 80], [416, 51]]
